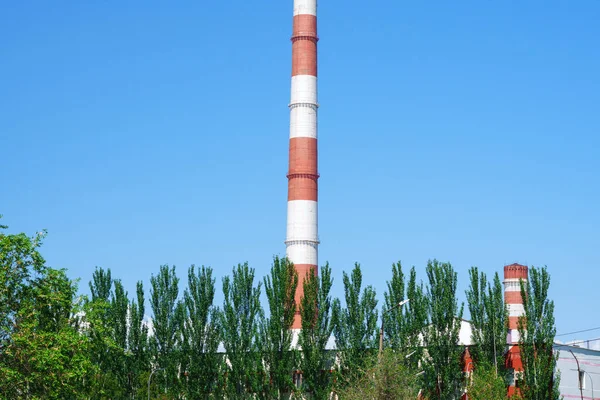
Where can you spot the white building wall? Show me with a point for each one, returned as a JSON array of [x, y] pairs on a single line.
[[464, 336], [589, 362]]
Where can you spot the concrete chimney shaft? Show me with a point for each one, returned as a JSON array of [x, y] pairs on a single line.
[[513, 274], [302, 238]]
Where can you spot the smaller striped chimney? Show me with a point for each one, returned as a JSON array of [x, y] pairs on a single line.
[[513, 274]]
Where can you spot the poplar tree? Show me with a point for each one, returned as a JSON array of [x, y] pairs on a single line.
[[475, 301], [119, 310], [118, 314], [137, 342], [106, 352], [317, 327], [497, 321], [167, 323], [119, 336], [101, 284], [355, 328], [240, 320], [201, 334], [403, 326], [279, 357], [536, 338], [443, 376], [488, 319]]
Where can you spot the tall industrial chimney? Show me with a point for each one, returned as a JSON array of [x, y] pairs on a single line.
[[302, 239], [513, 274]]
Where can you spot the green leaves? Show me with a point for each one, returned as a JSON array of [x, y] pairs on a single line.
[[403, 325], [317, 326], [536, 338], [20, 261], [485, 384], [443, 376], [489, 318], [137, 342], [276, 334], [53, 346], [240, 320], [42, 353], [383, 378], [475, 300], [169, 316], [201, 334], [355, 328], [118, 337], [101, 284]]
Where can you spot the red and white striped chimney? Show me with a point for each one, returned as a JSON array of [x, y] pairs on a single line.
[[302, 237], [514, 302]]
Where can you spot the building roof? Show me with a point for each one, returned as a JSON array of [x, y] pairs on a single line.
[[580, 346], [516, 265]]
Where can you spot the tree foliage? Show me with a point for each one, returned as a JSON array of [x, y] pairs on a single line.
[[138, 354], [101, 284], [489, 319], [20, 261], [485, 384], [201, 335], [536, 338], [169, 315], [240, 320], [279, 357], [355, 328], [443, 377], [317, 327], [385, 378], [42, 353], [100, 328], [55, 344], [403, 326], [118, 335]]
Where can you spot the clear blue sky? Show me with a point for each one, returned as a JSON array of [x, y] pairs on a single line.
[[146, 133]]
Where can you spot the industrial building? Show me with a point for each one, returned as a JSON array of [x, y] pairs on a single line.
[[579, 368]]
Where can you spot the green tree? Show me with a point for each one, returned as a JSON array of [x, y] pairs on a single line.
[[105, 352], [355, 328], [385, 378], [279, 357], [497, 321], [201, 335], [443, 377], [169, 315], [536, 338], [101, 284], [240, 319], [476, 303], [403, 326], [42, 352], [317, 327], [119, 306], [488, 318], [137, 343], [19, 261], [47, 356], [119, 310], [485, 384]]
